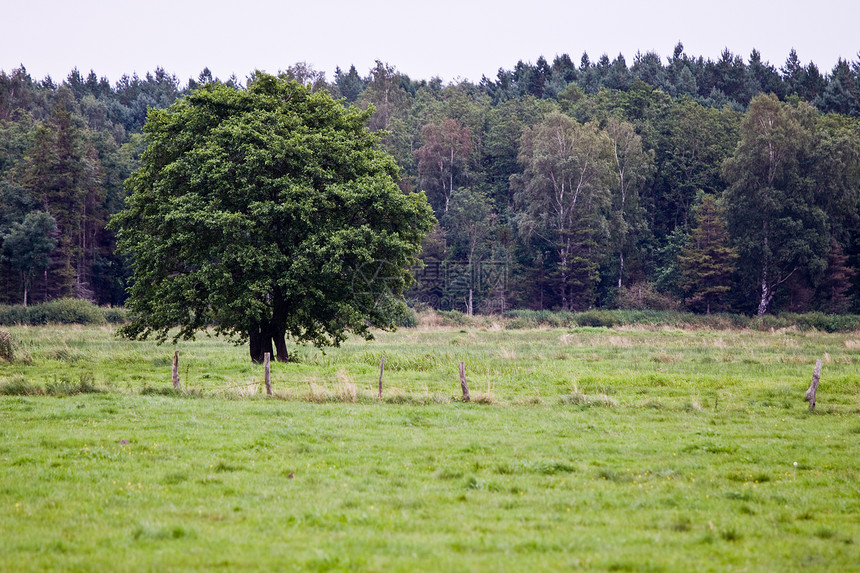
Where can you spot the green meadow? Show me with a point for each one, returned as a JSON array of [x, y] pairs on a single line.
[[626, 449]]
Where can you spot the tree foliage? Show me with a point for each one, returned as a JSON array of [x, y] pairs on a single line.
[[774, 215], [443, 159], [708, 261], [266, 212], [563, 197], [27, 246], [66, 146]]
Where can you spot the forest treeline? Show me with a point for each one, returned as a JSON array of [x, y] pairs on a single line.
[[683, 183]]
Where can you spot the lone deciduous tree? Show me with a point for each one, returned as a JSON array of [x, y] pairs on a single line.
[[266, 212]]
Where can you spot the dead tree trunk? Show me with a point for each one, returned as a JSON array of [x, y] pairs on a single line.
[[813, 388], [463, 385], [176, 369]]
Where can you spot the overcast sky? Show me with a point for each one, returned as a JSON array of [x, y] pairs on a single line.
[[452, 39]]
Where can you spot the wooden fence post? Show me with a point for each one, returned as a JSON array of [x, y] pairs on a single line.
[[176, 369], [267, 357], [381, 370], [813, 388], [463, 383]]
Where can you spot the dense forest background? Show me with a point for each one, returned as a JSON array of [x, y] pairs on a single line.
[[725, 185]]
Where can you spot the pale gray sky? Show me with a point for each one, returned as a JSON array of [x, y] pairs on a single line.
[[446, 38]]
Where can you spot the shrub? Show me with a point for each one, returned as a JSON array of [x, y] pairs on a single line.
[[533, 318], [62, 311], [454, 318], [644, 296], [66, 311], [19, 386], [597, 318], [517, 324], [405, 317], [115, 315], [15, 314], [824, 322]]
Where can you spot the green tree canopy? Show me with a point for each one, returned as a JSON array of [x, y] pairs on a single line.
[[26, 246], [772, 209], [267, 212], [563, 197], [708, 261]]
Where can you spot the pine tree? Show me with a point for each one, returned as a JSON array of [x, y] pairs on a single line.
[[837, 282], [64, 172], [707, 262]]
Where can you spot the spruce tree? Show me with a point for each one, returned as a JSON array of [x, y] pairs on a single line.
[[707, 262], [835, 287]]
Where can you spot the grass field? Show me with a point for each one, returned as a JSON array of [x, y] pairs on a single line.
[[587, 448]]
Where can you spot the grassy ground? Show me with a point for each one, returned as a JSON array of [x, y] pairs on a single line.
[[591, 449]]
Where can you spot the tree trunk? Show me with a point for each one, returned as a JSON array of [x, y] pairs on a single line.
[[266, 333], [261, 337], [255, 342], [765, 295], [282, 355]]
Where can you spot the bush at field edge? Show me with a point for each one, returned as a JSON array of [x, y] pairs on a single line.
[[61, 311]]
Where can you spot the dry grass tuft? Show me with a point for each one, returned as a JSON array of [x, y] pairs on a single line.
[[667, 358], [347, 392], [693, 406], [429, 320], [346, 389], [484, 398], [246, 390], [602, 400], [619, 341], [6, 352], [578, 397], [316, 392], [395, 395], [507, 354], [568, 340], [487, 397]]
